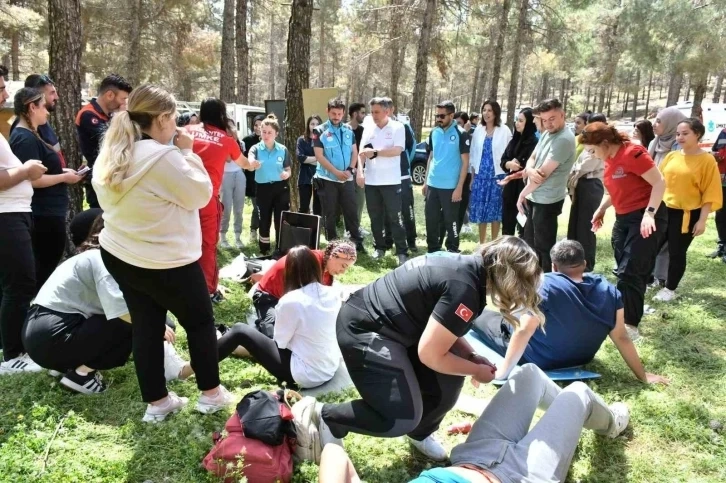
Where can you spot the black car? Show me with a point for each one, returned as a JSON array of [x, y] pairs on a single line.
[[418, 166]]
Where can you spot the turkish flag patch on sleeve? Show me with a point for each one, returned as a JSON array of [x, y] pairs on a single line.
[[464, 313]]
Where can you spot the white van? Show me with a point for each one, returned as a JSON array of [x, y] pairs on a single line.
[[714, 119], [242, 115]]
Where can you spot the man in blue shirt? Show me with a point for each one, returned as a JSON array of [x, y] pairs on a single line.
[[448, 164], [581, 310], [335, 149]]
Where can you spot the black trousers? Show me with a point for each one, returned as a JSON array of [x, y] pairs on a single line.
[[721, 224], [588, 195], [265, 307], [510, 195], [540, 231], [306, 195], [265, 351], [91, 197], [678, 244], [441, 211], [384, 202], [635, 258], [272, 199], [149, 294], [17, 279], [408, 216], [60, 341], [399, 394], [463, 209], [335, 195], [49, 244]]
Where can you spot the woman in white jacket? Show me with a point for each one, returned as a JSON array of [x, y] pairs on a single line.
[[151, 193], [488, 144]]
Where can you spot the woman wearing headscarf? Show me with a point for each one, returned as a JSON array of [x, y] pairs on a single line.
[[664, 127], [515, 156]]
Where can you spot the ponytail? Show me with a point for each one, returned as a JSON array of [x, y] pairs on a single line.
[[117, 150]]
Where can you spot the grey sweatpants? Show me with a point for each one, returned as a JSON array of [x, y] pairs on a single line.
[[234, 184], [501, 442]]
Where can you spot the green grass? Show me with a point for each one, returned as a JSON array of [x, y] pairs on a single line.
[[101, 438]]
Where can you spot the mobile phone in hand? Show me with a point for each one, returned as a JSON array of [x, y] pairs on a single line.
[[83, 170]]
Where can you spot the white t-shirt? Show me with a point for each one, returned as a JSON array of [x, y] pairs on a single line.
[[232, 167], [82, 285], [305, 324], [384, 171], [16, 199]]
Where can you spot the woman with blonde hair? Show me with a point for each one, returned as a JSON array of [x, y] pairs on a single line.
[[402, 340], [151, 193]]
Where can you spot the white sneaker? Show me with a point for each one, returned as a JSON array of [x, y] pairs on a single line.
[[210, 405], [224, 244], [325, 435], [466, 229], [633, 332], [174, 404], [53, 373], [665, 295], [346, 235], [253, 236], [364, 232], [621, 417], [22, 363], [430, 448], [238, 243], [173, 363]]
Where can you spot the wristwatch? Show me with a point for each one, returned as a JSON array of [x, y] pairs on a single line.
[[650, 211], [351, 169], [375, 154]]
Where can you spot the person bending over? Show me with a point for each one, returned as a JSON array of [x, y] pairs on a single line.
[[582, 309], [80, 324], [402, 340], [303, 351], [501, 447], [337, 258]]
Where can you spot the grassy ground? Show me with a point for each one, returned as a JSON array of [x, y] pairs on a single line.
[[50, 435]]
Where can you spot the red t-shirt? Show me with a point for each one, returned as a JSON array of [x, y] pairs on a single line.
[[215, 147], [623, 178], [273, 281]]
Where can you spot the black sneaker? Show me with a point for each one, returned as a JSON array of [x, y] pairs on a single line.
[[216, 297], [92, 383]]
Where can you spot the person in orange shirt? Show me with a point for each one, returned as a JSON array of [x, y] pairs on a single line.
[[693, 190]]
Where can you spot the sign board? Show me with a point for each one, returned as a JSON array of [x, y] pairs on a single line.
[[277, 107], [315, 101]]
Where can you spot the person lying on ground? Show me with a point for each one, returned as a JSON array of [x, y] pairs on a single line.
[[303, 351], [582, 309], [80, 324], [501, 447]]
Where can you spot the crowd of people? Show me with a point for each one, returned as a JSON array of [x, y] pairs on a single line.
[[162, 190]]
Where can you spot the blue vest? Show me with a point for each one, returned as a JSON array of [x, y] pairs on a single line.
[[272, 163], [446, 162], [338, 145]]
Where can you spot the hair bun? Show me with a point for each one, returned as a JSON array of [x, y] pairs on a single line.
[[272, 116]]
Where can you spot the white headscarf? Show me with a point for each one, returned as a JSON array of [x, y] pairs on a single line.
[[669, 118]]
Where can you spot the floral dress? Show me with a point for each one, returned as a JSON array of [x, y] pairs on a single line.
[[485, 204]]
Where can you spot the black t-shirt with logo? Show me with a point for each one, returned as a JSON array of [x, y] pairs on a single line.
[[449, 287]]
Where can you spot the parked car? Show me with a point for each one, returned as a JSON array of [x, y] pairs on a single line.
[[418, 166]]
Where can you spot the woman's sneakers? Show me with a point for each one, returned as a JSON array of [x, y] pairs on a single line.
[[430, 447], [665, 295], [157, 413], [212, 404], [621, 417], [22, 363], [91, 383], [173, 363]]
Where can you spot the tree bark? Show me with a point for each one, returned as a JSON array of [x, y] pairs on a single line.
[[647, 98], [243, 53], [635, 96], [271, 45], [15, 54], [516, 60], [587, 99], [65, 53], [227, 67], [717, 88], [627, 93], [477, 74], [298, 78], [610, 99], [674, 86], [499, 49], [699, 92], [133, 64], [422, 56], [396, 45], [321, 52]]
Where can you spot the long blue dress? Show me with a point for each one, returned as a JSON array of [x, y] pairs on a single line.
[[485, 204]]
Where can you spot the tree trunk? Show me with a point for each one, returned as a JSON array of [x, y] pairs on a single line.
[[647, 98], [587, 99], [15, 54], [298, 78], [699, 92], [243, 53], [610, 98], [226, 71], [422, 56], [635, 96], [271, 45], [499, 49], [717, 88], [516, 57], [133, 65], [64, 54], [627, 93], [477, 74], [674, 86], [321, 52], [601, 98], [397, 49], [688, 89]]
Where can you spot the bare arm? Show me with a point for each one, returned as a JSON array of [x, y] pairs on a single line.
[[12, 177], [243, 162], [627, 350], [433, 350], [655, 178], [48, 180], [528, 324]]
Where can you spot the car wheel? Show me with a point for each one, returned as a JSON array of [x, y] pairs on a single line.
[[418, 174]]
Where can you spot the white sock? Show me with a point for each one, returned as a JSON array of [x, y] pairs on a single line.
[[81, 373]]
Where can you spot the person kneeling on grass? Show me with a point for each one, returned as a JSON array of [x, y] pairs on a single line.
[[581, 309], [80, 324], [501, 447], [304, 349]]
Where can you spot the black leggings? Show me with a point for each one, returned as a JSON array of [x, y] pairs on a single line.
[[265, 351], [149, 294], [678, 244], [17, 279], [721, 222], [272, 200], [399, 394], [49, 243], [60, 341], [588, 195], [307, 194], [265, 307], [510, 195]]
